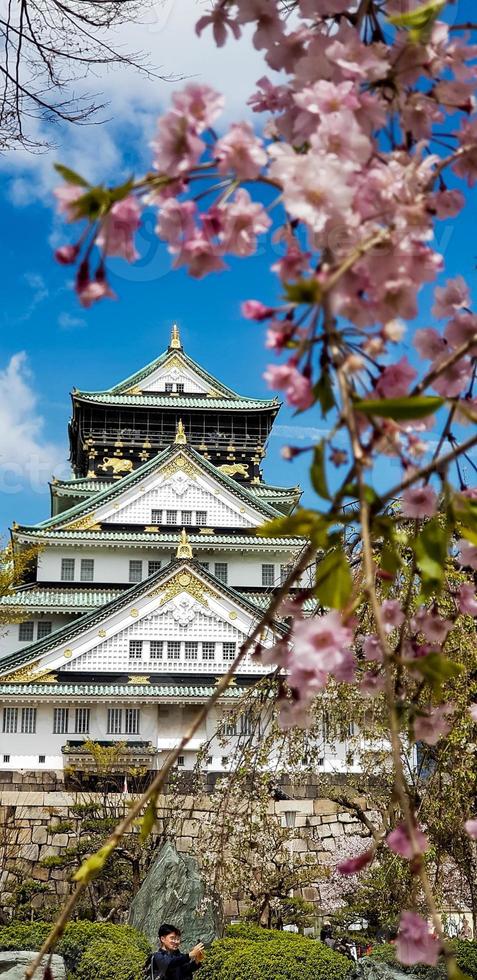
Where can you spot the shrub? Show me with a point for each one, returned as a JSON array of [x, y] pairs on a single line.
[[23, 935], [79, 936], [464, 950], [107, 960], [129, 946], [261, 954]]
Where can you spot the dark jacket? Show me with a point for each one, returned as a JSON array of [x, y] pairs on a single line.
[[172, 966]]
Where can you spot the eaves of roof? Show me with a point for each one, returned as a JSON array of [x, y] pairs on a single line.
[[199, 542], [105, 690], [185, 402]]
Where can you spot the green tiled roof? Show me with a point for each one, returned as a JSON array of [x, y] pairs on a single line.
[[262, 600], [157, 400], [266, 490], [115, 690], [61, 599], [199, 542], [81, 485], [67, 633]]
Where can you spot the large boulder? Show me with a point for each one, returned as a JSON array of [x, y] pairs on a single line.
[[173, 892], [369, 969], [13, 964]]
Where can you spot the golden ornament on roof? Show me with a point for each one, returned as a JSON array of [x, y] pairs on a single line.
[[175, 343], [180, 438], [184, 549]]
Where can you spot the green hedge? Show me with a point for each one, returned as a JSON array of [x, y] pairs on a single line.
[[252, 953], [92, 950], [464, 950]]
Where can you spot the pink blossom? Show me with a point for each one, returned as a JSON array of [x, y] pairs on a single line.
[[315, 187], [467, 599], [453, 379], [434, 626], [392, 614], [268, 97], [432, 725], [88, 290], [219, 20], [175, 222], [461, 329], [116, 236], [298, 390], [199, 104], [268, 24], [67, 254], [353, 865], [253, 309], [200, 256], [357, 60], [177, 146], [372, 649], [278, 334], [451, 297], [399, 842], [471, 828], [326, 97], [292, 265], [372, 683], [242, 221], [395, 379], [321, 647], [429, 343], [67, 197], [473, 712], [419, 502], [447, 204], [294, 714], [467, 553], [415, 943], [240, 151], [466, 164]]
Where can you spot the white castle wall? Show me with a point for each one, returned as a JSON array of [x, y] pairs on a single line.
[[9, 639]]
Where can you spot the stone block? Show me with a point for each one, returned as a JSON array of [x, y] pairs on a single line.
[[62, 887], [39, 835], [30, 852], [190, 828], [298, 846], [24, 835], [40, 874], [47, 851], [347, 818], [13, 964], [184, 845], [59, 840], [324, 807], [329, 844]]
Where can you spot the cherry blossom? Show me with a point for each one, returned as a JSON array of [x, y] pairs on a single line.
[[467, 553], [67, 196], [434, 725], [119, 226], [241, 151], [400, 842], [241, 221], [451, 297], [298, 390], [471, 828], [415, 943], [467, 599], [392, 614], [419, 502], [395, 379], [355, 864]]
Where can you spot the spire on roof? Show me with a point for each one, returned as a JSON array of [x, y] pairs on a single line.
[[184, 549], [175, 343], [180, 438]]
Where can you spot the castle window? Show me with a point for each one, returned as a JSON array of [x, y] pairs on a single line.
[[181, 760], [87, 570], [268, 575], [168, 387], [208, 650], [173, 649], [230, 727], [221, 571], [156, 516], [153, 567], [135, 649], [191, 650], [114, 721], [186, 517], [155, 649], [229, 650], [82, 721], [60, 721], [171, 517], [6, 758], [10, 720], [246, 724], [131, 721], [44, 628], [41, 759], [28, 721], [180, 388], [201, 517], [25, 632], [67, 569], [135, 571]]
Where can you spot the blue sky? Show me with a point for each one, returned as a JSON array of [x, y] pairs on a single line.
[[48, 344]]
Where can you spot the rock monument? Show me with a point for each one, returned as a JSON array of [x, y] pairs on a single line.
[[13, 964]]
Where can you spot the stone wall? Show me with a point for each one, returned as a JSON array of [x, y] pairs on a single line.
[[42, 824]]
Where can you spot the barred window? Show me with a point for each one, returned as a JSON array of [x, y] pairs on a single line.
[[173, 649], [181, 760], [229, 651], [114, 721], [28, 721], [186, 517], [25, 632], [168, 387], [268, 575], [44, 628], [155, 649], [131, 721], [191, 650], [67, 569], [180, 388], [135, 649], [246, 723], [284, 572], [87, 569], [153, 567], [230, 727], [82, 716], [208, 650], [171, 517], [201, 517], [60, 721], [221, 571], [135, 571], [10, 720], [156, 516]]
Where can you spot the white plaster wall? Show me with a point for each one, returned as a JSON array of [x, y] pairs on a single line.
[[157, 380], [182, 494], [9, 639]]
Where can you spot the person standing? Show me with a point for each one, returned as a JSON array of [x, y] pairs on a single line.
[[169, 963]]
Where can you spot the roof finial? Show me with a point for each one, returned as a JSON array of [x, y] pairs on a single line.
[[181, 438], [184, 549], [175, 343]]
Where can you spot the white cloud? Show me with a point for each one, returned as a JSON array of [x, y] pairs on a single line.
[[68, 322], [27, 459], [167, 38]]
